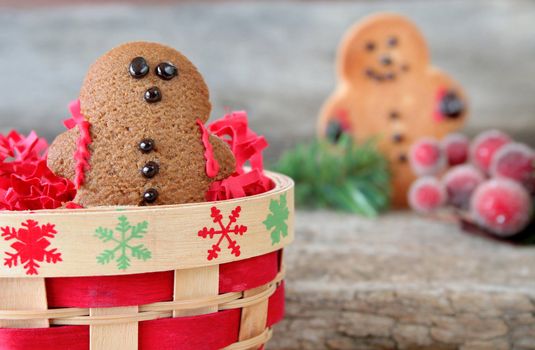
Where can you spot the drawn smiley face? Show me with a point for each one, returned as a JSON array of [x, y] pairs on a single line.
[[383, 50], [386, 68]]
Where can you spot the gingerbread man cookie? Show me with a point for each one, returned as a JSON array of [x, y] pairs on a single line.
[[388, 88], [146, 105]]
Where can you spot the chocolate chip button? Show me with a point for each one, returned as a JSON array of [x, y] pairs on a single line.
[[150, 195], [451, 105], [153, 95], [150, 170], [166, 71], [385, 60], [146, 145], [334, 131], [394, 115], [397, 138], [402, 158], [138, 68]]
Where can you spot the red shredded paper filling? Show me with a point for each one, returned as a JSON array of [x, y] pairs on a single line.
[[247, 146], [81, 155], [26, 183]]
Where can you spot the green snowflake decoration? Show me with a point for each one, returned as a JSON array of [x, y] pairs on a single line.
[[277, 219], [123, 246]]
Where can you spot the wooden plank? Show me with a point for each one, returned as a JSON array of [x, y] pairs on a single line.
[[120, 336], [23, 294], [253, 318], [194, 283]]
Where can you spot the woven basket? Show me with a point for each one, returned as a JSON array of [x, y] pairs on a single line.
[[194, 276]]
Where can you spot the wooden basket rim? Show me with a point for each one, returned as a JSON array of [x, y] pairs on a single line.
[[173, 235], [282, 183]]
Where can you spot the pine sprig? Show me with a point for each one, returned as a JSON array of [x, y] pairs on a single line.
[[347, 176]]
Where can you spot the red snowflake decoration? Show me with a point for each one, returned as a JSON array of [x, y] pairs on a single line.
[[30, 245], [224, 231]]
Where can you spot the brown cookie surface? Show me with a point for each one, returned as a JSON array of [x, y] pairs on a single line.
[[142, 101], [388, 88]]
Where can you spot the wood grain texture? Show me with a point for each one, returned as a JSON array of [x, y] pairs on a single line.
[[183, 249], [198, 282], [23, 294], [122, 336], [253, 318], [459, 40], [403, 281]]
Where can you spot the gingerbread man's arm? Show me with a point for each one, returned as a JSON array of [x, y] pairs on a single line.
[[60, 157], [451, 102], [224, 157], [334, 118]]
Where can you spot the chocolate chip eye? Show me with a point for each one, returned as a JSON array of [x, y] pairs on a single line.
[[392, 41], [150, 170], [146, 145], [153, 94], [166, 71], [138, 68], [150, 195], [370, 46]]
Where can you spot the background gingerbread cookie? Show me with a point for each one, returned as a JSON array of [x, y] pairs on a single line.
[[388, 88], [143, 106]]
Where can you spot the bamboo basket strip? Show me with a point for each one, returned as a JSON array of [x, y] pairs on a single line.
[[90, 244], [198, 282], [81, 316], [147, 288], [209, 331], [254, 342], [117, 336], [10, 298], [254, 316]]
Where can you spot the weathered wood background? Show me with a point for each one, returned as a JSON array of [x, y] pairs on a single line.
[[274, 59], [397, 283]]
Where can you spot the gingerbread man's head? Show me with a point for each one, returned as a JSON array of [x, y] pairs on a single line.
[[142, 79], [145, 104], [382, 48]]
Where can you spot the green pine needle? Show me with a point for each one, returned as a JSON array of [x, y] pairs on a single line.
[[347, 176]]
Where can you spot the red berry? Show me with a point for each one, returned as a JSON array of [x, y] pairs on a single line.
[[517, 162], [485, 145], [456, 148], [502, 206], [426, 194], [460, 182], [426, 157]]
